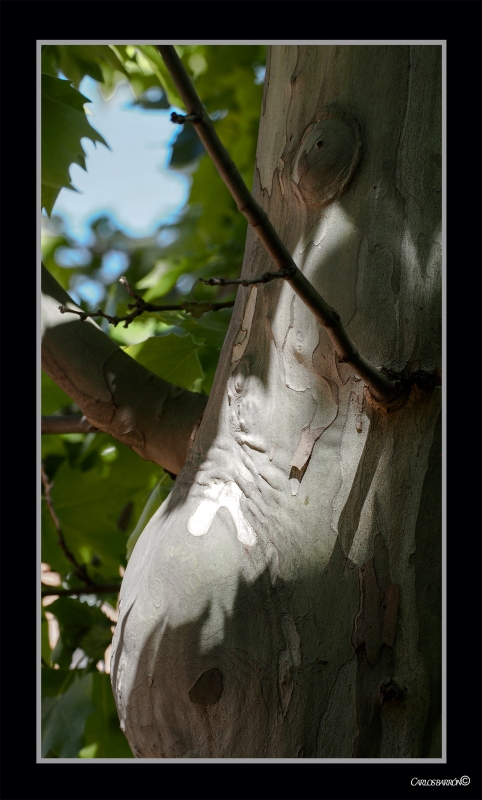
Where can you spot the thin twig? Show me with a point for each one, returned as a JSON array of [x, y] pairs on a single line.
[[88, 589], [382, 387], [80, 570], [67, 423], [265, 278], [180, 119], [140, 306]]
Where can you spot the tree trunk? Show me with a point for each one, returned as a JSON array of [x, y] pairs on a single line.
[[285, 602]]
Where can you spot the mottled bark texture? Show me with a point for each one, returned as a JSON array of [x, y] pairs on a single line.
[[280, 603]]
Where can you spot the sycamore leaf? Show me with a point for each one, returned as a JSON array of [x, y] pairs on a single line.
[[80, 625], [64, 716], [100, 62], [173, 358], [88, 503], [103, 736], [64, 123], [186, 148]]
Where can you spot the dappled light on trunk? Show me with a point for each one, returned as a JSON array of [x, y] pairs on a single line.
[[272, 606]]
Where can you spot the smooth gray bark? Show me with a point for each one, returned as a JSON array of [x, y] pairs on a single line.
[[285, 602]]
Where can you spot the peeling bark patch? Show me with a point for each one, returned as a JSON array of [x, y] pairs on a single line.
[[241, 341], [208, 688], [305, 447], [272, 139], [302, 455], [218, 495], [376, 621], [300, 340], [295, 480]]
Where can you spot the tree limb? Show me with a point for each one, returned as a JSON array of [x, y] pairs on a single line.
[[116, 394], [384, 388], [66, 423], [93, 588]]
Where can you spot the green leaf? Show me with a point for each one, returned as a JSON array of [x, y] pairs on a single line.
[[64, 123], [100, 62], [152, 56], [81, 625], [89, 501], [210, 329], [209, 357], [64, 716], [74, 621], [161, 279], [53, 397], [98, 638], [186, 149], [172, 357], [103, 736], [44, 638], [143, 101]]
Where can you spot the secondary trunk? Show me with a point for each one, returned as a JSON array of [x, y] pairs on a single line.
[[285, 601]]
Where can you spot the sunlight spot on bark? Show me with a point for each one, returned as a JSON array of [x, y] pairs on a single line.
[[219, 495]]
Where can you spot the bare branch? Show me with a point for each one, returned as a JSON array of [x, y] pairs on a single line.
[[80, 570], [382, 387], [68, 423], [93, 588], [140, 306], [180, 119], [265, 278]]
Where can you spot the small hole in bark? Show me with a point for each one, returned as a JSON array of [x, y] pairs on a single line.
[[208, 688], [319, 144]]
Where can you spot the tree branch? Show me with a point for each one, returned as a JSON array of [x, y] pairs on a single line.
[[93, 588], [115, 393], [80, 570], [384, 388], [266, 277], [140, 306], [67, 423]]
